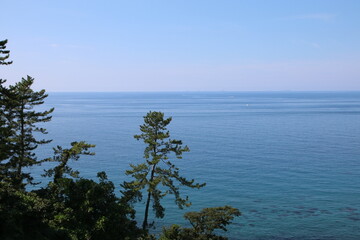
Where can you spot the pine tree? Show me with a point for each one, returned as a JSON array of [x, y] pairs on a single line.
[[4, 54], [23, 121], [157, 169], [62, 156], [5, 130]]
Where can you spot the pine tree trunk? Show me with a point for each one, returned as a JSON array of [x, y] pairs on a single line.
[[145, 222], [21, 159]]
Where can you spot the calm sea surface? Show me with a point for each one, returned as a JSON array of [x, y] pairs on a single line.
[[289, 161]]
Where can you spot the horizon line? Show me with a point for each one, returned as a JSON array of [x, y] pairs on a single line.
[[220, 91]]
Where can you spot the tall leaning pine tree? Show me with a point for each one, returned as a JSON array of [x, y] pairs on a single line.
[[24, 121], [157, 176]]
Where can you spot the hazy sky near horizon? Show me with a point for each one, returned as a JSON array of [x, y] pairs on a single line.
[[184, 45]]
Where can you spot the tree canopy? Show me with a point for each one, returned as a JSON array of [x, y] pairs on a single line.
[[203, 223], [20, 117]]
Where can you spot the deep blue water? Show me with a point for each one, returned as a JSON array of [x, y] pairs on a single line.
[[290, 161]]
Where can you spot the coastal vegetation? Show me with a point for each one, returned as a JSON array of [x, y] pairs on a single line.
[[72, 207], [149, 175]]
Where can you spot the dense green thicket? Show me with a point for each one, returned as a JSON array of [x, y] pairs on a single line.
[[68, 207], [76, 208]]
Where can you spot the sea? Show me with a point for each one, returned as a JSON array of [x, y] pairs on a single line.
[[289, 161]]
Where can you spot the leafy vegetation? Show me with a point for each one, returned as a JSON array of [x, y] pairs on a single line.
[[203, 223], [76, 208]]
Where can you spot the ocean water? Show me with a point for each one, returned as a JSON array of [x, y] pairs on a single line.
[[290, 161]]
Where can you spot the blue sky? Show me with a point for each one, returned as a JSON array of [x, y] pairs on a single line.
[[151, 45]]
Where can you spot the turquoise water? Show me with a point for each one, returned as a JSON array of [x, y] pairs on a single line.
[[289, 161]]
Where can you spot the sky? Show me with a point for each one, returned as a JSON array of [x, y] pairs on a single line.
[[183, 45]]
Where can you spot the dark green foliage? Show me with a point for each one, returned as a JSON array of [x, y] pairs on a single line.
[[203, 223], [63, 156], [5, 131], [157, 169], [175, 232], [67, 208], [23, 120], [23, 215], [85, 209], [4, 54], [70, 209], [209, 219]]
